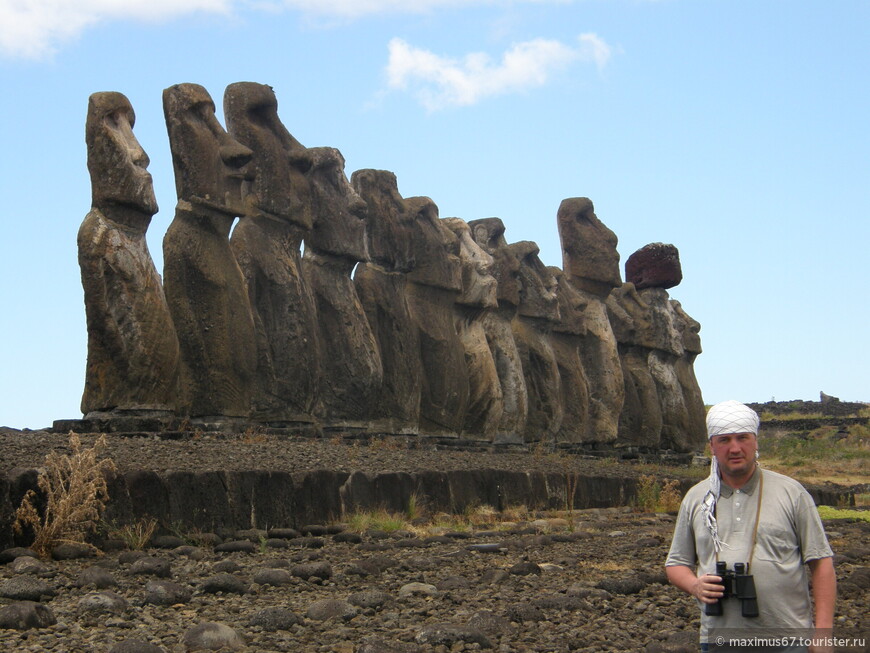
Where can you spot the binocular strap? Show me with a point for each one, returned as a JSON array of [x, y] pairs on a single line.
[[757, 521]]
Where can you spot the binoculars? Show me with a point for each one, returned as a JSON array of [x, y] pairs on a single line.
[[740, 585]]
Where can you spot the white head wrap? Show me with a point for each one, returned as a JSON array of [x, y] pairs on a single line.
[[723, 419]]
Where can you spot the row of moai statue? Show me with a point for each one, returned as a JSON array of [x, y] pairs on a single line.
[[391, 320]]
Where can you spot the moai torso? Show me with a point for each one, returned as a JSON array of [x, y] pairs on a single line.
[[566, 339], [591, 262], [267, 245], [434, 285], [205, 288], [477, 299], [696, 437], [497, 324], [350, 358], [537, 313], [132, 348], [381, 286]]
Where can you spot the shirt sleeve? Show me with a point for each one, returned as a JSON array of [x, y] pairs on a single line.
[[682, 551], [810, 531]]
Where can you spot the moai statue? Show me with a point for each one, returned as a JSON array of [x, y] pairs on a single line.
[[489, 234], [205, 288], [478, 297], [132, 349], [640, 423], [689, 329], [266, 243], [380, 284], [537, 314], [591, 262], [350, 358], [566, 339], [434, 285], [653, 269]]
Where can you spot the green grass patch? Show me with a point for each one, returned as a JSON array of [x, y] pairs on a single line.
[[830, 512]]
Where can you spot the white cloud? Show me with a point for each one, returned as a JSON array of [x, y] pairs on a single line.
[[440, 82], [356, 8], [35, 28]]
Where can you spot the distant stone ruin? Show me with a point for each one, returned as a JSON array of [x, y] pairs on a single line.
[[393, 321]]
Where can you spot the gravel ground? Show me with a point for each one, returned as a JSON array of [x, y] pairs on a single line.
[[536, 587], [522, 586], [255, 451]]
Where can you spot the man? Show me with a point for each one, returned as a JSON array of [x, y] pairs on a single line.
[[719, 520]]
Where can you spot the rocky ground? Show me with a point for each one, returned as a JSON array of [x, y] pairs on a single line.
[[528, 586], [542, 584]]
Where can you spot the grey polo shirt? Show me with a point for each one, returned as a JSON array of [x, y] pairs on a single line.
[[790, 534]]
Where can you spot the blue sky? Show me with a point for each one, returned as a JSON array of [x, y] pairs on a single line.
[[736, 130]]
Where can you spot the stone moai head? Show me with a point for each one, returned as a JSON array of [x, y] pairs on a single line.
[[689, 329], [281, 187], [120, 182], [589, 255], [388, 224], [210, 165], [436, 249], [489, 234], [571, 305], [339, 213], [478, 284], [537, 284]]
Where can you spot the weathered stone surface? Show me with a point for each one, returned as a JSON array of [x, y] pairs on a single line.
[[381, 287], [416, 343], [695, 436], [24, 615], [477, 299], [489, 234], [566, 338], [434, 288], [267, 246], [656, 265], [205, 288], [651, 336], [350, 358], [212, 636], [132, 348], [589, 255], [640, 422], [106, 601], [537, 313], [591, 262]]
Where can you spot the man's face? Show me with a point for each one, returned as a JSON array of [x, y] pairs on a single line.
[[735, 453]]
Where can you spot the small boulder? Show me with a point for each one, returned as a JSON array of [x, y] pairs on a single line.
[[26, 588], [276, 618], [103, 602], [164, 592], [211, 636], [151, 566], [330, 609], [25, 615], [99, 577], [223, 583], [445, 634]]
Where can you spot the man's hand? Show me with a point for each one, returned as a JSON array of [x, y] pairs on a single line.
[[708, 588]]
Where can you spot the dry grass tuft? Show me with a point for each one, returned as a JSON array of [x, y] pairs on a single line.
[[655, 496], [75, 493], [135, 536]]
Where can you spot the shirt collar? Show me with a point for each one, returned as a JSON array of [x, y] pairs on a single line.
[[748, 487]]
